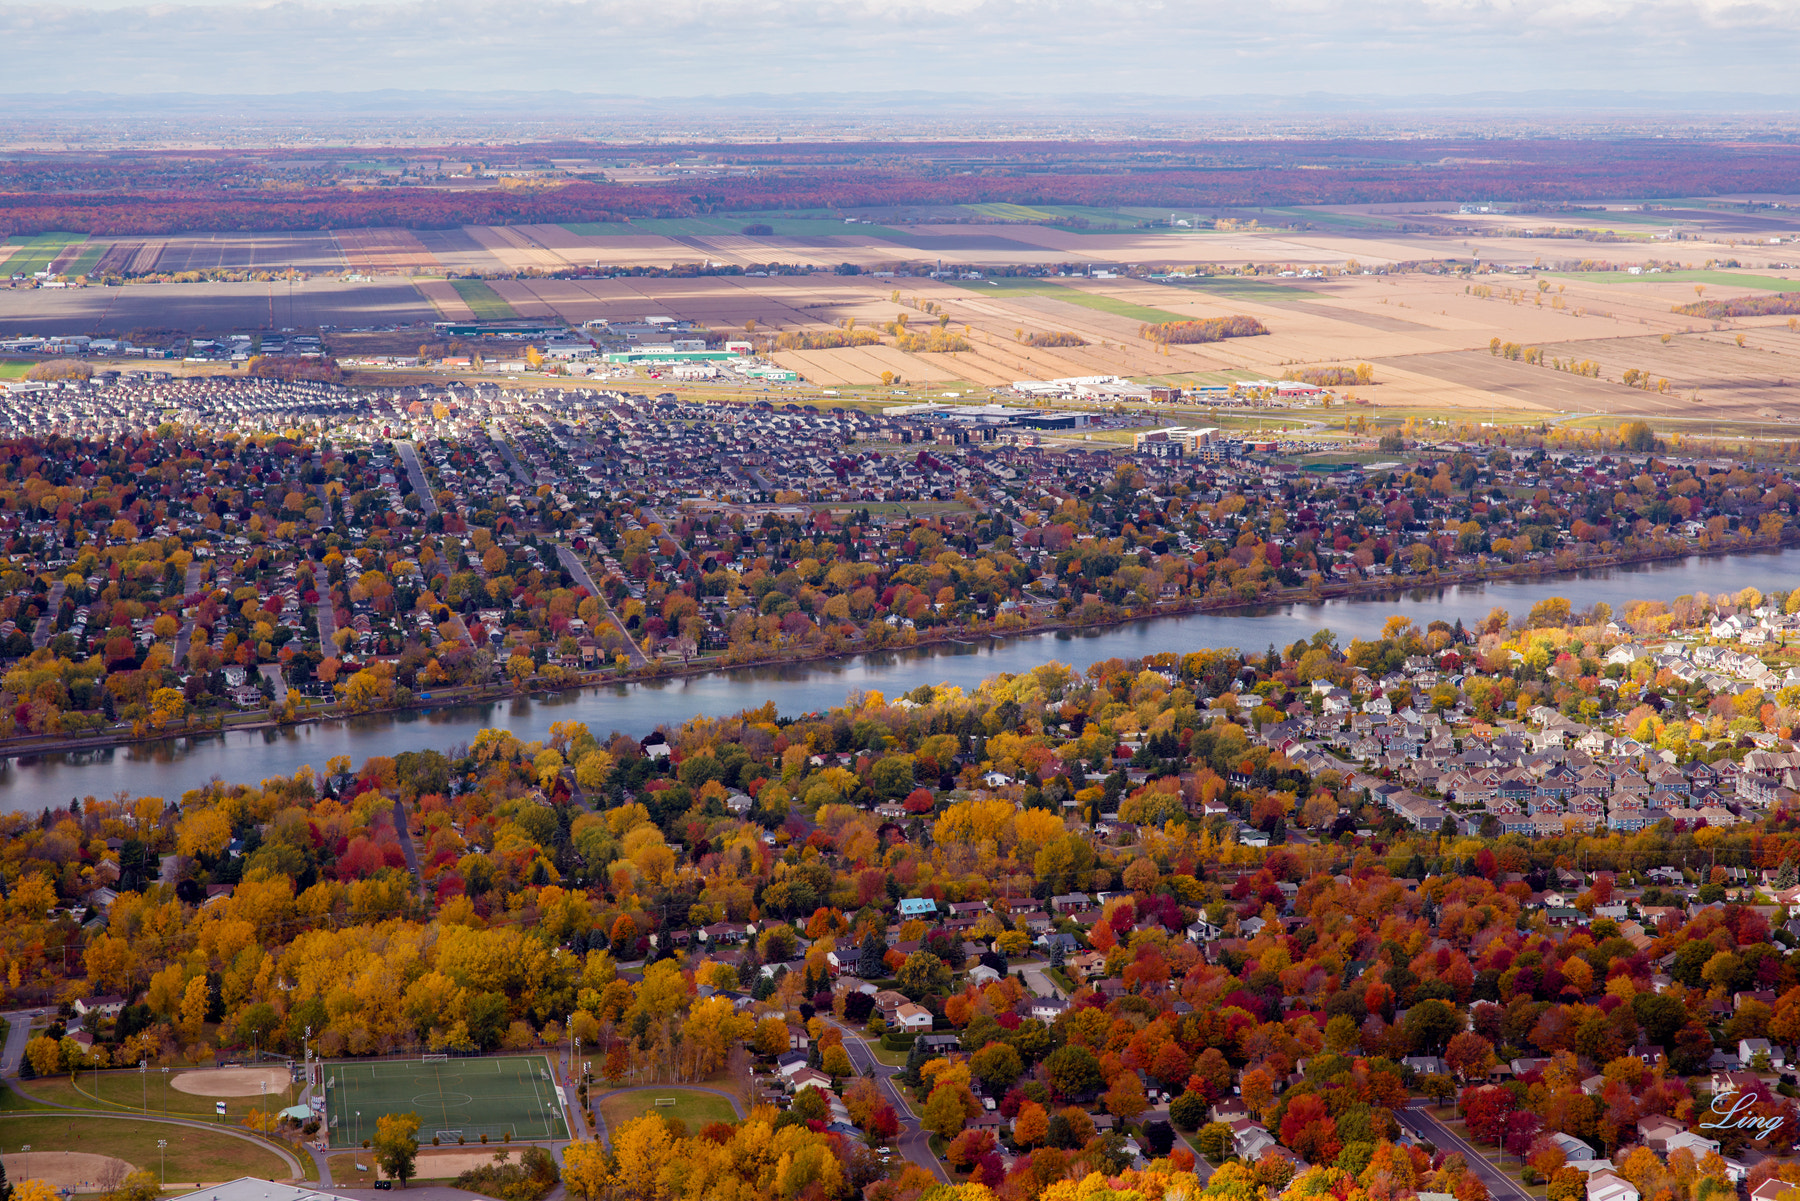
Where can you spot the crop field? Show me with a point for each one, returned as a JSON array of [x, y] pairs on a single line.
[[1721, 279], [210, 308], [87, 259], [34, 253], [374, 250], [483, 301], [250, 252]]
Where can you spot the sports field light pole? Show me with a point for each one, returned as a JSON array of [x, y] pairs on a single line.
[[25, 1160], [144, 1079], [163, 1154]]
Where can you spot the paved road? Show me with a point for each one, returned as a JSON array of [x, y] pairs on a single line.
[[17, 1035], [406, 844], [184, 640], [327, 627], [325, 503], [574, 566], [40, 636], [914, 1143], [513, 464], [409, 454], [1500, 1186]]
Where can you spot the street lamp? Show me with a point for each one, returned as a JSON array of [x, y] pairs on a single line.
[[144, 1079]]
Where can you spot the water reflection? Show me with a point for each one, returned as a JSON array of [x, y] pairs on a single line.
[[170, 767]]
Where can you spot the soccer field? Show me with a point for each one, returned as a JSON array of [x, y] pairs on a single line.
[[454, 1098]]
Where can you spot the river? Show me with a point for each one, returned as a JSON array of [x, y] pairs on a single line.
[[171, 767]]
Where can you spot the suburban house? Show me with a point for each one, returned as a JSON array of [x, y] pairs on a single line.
[[913, 1019], [1610, 1186]]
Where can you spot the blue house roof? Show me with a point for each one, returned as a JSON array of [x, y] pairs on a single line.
[[915, 906]]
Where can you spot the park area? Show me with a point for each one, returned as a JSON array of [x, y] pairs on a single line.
[[62, 1152], [506, 1097], [188, 1094], [691, 1106]]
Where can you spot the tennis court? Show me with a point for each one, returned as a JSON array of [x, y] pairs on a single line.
[[455, 1099]]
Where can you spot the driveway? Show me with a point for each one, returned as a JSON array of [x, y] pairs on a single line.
[[1500, 1186]]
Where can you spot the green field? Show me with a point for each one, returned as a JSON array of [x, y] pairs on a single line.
[[130, 1090], [1238, 287], [1723, 279], [192, 1155], [84, 263], [694, 1108], [1087, 300], [34, 253], [483, 301], [1339, 220], [14, 369], [510, 1095]]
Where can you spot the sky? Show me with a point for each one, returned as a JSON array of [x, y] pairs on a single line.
[[682, 48]]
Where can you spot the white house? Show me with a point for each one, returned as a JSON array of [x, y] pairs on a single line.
[[1609, 1186]]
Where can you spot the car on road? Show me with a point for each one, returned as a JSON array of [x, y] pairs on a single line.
[[384, 1185]]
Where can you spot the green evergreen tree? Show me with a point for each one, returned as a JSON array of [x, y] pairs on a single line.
[[1056, 953], [869, 962], [915, 1060], [1785, 874], [6, 1188]]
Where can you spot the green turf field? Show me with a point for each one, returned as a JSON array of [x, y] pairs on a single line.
[[483, 301], [509, 1095]]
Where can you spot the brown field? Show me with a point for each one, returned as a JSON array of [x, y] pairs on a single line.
[[250, 252], [372, 250], [458, 251], [444, 298], [210, 308], [233, 1082], [77, 1171], [118, 258]]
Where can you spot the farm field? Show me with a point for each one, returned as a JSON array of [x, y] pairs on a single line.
[[192, 1155], [483, 301], [250, 252], [210, 307], [34, 253]]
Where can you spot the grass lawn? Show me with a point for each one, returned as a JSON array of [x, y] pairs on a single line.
[[354, 1168], [193, 1155], [125, 1090], [694, 1108], [483, 301], [892, 1059], [11, 1102], [1723, 279]]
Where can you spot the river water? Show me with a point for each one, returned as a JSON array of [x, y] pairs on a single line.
[[169, 768]]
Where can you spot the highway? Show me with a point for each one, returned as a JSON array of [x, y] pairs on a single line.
[[1421, 1122]]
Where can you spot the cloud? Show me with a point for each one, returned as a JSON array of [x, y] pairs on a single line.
[[678, 48]]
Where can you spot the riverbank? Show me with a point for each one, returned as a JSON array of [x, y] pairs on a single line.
[[1231, 610]]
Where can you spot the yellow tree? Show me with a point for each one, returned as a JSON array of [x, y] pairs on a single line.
[[585, 1171]]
